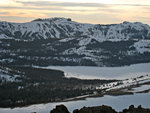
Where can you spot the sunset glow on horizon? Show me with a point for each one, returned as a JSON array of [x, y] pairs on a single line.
[[86, 11]]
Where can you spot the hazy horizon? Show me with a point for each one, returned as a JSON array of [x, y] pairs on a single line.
[[85, 11]]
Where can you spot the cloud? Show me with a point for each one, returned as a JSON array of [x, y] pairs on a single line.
[[15, 19], [65, 4], [3, 13], [131, 2], [71, 4], [106, 12], [96, 1]]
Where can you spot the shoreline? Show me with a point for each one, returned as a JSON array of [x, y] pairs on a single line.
[[84, 97]]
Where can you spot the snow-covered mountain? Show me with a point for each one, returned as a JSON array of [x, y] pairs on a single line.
[[66, 28], [61, 41]]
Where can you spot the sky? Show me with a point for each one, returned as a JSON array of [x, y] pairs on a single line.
[[85, 11]]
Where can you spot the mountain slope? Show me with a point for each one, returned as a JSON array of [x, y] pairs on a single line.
[[63, 28], [60, 41]]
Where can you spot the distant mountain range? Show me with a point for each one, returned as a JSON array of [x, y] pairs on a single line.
[[66, 28], [61, 41]]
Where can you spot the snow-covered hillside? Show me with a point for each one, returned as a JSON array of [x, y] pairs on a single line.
[[61, 41], [66, 28], [6, 76], [136, 84]]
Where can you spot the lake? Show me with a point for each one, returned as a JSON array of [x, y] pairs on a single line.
[[87, 72], [117, 102]]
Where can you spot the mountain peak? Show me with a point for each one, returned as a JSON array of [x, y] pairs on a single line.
[[126, 22], [53, 19], [137, 23], [59, 27]]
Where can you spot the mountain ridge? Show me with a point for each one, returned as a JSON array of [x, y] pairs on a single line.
[[66, 28], [61, 41], [70, 19]]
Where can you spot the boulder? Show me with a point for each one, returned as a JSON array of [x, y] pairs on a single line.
[[60, 109], [97, 109]]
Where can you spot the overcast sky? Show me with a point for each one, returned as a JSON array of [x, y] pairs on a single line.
[[86, 11]]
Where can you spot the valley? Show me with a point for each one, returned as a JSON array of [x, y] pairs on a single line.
[[54, 61]]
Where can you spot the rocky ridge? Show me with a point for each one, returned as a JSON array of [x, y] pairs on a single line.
[[100, 109]]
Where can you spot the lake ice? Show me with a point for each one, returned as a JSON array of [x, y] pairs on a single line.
[[87, 72], [117, 102]]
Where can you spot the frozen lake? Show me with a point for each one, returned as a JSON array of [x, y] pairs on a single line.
[[87, 72], [117, 102]]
